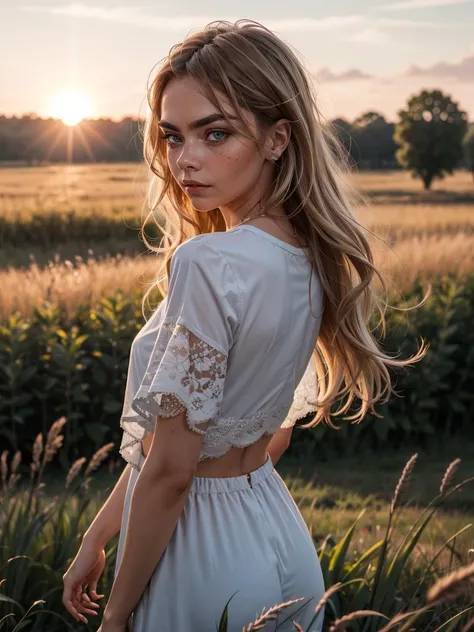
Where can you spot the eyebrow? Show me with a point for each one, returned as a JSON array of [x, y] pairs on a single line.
[[217, 116]]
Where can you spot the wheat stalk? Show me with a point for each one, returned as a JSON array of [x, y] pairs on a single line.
[[97, 458], [16, 462], [340, 625], [407, 470], [453, 585], [54, 440], [264, 617], [74, 471], [448, 476], [4, 467], [37, 450]]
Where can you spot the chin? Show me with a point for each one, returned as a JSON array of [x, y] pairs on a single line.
[[203, 205]]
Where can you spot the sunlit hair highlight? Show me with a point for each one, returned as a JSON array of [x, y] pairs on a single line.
[[256, 71]]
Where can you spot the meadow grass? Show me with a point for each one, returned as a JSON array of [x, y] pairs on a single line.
[[419, 234], [83, 281], [73, 283], [103, 187], [401, 564], [425, 234]]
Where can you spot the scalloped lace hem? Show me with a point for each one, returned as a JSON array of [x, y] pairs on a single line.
[[227, 433]]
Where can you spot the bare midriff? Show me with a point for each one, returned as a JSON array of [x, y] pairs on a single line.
[[235, 462]]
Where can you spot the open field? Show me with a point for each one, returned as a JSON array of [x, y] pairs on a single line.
[[97, 210], [331, 495], [81, 226], [84, 281], [88, 187]]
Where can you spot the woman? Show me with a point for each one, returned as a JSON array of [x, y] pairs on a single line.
[[262, 307]]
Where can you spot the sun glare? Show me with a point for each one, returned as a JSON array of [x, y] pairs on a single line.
[[71, 107]]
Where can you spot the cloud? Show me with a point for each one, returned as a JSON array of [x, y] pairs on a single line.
[[420, 4], [462, 70], [324, 75], [130, 15], [135, 16], [373, 36]]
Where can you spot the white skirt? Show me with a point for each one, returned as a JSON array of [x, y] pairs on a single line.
[[241, 537]]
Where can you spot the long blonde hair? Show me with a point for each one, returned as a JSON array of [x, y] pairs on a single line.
[[256, 71]]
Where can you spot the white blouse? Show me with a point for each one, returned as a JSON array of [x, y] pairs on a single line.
[[230, 345]]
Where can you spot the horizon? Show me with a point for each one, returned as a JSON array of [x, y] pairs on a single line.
[[93, 61]]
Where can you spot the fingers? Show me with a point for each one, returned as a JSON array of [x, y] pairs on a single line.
[[70, 608], [93, 591], [70, 602], [89, 601], [83, 604], [77, 603]]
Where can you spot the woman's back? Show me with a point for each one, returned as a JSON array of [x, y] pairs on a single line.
[[262, 287]]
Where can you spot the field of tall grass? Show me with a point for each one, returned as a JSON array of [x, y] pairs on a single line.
[[396, 569], [69, 234], [388, 527]]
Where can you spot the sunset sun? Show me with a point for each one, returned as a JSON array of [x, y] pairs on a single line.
[[71, 107]]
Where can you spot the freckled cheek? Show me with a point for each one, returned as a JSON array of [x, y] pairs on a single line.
[[231, 164]]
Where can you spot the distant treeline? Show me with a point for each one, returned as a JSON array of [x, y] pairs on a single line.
[[32, 140], [430, 139]]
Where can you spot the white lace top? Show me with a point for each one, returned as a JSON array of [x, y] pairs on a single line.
[[231, 344]]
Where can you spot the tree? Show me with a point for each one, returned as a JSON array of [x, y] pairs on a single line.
[[343, 130], [430, 133], [374, 138], [468, 144]]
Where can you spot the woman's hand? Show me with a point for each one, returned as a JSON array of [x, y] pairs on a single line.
[[85, 570]]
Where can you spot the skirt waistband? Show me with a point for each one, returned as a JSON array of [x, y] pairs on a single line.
[[216, 485]]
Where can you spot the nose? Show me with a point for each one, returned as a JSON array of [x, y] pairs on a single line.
[[187, 158]]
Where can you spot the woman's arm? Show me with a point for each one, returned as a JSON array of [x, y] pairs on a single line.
[[157, 502], [108, 521], [279, 443]]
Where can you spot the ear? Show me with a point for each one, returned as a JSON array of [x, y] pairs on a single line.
[[279, 137]]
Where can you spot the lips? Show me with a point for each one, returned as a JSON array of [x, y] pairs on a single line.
[[193, 189]]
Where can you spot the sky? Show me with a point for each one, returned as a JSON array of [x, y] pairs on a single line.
[[363, 54]]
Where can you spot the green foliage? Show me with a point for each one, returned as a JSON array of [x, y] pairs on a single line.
[[372, 140], [384, 588], [49, 229], [53, 365], [430, 133], [434, 399], [40, 536], [468, 144], [375, 587]]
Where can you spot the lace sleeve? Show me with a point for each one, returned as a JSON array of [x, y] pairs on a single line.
[[305, 397], [186, 368], [184, 374]]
